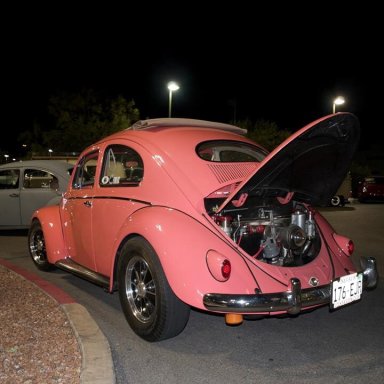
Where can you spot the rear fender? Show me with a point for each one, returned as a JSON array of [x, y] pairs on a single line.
[[340, 260], [49, 218], [182, 243]]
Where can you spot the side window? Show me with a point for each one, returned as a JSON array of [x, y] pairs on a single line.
[[85, 171], [36, 178], [9, 179], [122, 166]]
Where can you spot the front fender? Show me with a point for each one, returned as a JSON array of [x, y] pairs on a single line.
[[182, 243], [49, 218]]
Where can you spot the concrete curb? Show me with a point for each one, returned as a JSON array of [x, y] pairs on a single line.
[[97, 365]]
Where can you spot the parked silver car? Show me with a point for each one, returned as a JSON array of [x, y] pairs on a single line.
[[28, 185]]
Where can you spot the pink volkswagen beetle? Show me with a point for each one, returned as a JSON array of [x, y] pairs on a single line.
[[181, 213]]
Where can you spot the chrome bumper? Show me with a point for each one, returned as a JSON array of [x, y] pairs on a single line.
[[291, 301]]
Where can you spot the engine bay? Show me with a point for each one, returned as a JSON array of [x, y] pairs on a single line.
[[272, 232]]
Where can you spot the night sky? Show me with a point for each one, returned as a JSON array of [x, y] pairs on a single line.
[[274, 67]]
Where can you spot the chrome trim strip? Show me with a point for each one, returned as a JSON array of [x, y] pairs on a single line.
[[77, 269], [292, 301]]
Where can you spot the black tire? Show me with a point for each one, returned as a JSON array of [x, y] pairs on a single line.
[[36, 245], [335, 201], [151, 308]]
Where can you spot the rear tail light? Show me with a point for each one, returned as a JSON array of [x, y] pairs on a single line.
[[219, 266], [226, 269], [345, 244], [350, 247]]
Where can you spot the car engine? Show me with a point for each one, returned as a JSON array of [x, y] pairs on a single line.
[[278, 234]]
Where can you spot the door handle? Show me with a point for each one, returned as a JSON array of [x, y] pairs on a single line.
[[88, 203], [14, 195]]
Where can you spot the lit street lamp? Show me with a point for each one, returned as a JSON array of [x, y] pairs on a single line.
[[172, 86], [338, 101], [50, 152]]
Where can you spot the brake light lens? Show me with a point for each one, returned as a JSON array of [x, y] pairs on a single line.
[[350, 247], [226, 269]]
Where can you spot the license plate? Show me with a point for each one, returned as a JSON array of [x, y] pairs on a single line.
[[346, 289]]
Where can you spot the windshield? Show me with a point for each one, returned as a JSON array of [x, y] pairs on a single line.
[[226, 151]]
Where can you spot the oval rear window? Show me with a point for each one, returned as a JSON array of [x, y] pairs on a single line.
[[227, 151]]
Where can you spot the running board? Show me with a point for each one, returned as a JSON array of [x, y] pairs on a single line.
[[77, 269]]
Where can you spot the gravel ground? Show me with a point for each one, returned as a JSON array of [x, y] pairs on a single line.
[[37, 343]]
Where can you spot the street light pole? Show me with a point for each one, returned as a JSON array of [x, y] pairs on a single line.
[[172, 86], [170, 103], [338, 101]]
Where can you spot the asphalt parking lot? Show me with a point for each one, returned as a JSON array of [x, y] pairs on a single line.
[[343, 346]]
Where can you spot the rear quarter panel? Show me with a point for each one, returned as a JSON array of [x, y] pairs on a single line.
[[181, 243], [341, 262]]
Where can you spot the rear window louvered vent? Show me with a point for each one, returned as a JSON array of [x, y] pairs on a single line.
[[228, 172]]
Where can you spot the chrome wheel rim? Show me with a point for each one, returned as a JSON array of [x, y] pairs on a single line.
[[37, 247], [335, 200], [140, 289]]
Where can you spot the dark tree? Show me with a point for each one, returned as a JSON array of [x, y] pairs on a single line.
[[77, 120], [265, 133]]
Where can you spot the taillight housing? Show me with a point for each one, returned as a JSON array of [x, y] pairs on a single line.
[[345, 244], [219, 265]]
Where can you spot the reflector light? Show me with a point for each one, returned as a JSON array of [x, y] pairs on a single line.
[[350, 247], [226, 269]]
